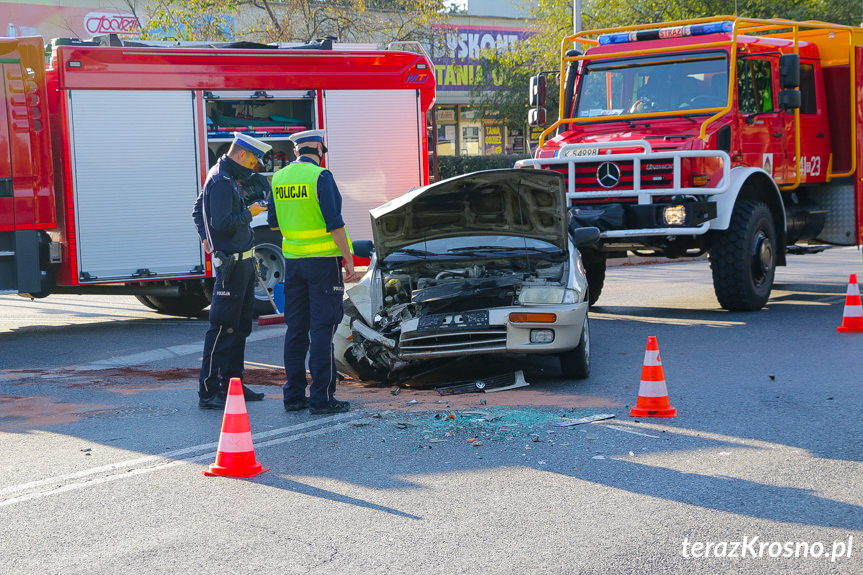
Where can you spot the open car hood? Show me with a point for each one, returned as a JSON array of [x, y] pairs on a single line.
[[522, 202]]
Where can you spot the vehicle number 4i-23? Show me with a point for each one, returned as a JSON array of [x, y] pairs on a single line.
[[811, 166]]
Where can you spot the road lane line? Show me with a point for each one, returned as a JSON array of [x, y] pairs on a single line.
[[263, 435], [269, 365], [133, 472], [168, 464], [630, 431], [163, 353]]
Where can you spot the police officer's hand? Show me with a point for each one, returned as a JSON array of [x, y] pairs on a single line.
[[350, 274], [207, 247], [257, 208]]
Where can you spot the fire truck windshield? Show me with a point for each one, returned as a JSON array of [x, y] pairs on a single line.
[[650, 85]]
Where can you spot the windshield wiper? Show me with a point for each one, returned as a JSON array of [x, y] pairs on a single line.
[[478, 249], [414, 252]]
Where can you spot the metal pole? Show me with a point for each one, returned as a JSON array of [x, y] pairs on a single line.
[[576, 16]]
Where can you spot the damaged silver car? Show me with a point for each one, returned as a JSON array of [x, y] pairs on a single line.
[[483, 263]]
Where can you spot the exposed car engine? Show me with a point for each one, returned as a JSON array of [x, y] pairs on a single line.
[[431, 287]]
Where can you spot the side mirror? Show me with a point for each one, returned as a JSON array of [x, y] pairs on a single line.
[[583, 237], [536, 117], [538, 91], [789, 71], [363, 248], [789, 100]]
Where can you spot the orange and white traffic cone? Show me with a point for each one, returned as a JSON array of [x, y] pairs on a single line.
[[852, 317], [652, 393], [235, 456]]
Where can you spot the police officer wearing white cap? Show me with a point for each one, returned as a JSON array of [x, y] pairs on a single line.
[[224, 226], [306, 208]]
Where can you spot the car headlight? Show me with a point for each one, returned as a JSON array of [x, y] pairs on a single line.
[[542, 295]]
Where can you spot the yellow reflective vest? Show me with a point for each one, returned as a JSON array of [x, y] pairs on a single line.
[[304, 232]]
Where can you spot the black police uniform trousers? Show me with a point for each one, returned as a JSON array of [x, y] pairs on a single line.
[[231, 314], [313, 309]]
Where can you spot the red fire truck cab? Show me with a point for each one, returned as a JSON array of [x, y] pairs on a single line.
[[103, 152], [728, 136]]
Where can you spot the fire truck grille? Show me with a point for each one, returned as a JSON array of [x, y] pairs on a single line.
[[654, 176]]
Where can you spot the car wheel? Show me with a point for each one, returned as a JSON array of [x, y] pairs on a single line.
[[146, 301], [271, 265], [594, 269], [575, 363], [186, 305]]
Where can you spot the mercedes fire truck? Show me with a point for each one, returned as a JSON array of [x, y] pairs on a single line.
[[735, 137]]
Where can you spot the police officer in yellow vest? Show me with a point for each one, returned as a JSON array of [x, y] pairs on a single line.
[[315, 244]]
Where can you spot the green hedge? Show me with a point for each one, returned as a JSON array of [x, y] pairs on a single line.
[[449, 166]]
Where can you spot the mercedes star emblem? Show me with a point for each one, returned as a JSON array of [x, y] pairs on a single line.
[[608, 174]]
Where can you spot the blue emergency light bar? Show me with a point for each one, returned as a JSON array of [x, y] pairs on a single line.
[[663, 33]]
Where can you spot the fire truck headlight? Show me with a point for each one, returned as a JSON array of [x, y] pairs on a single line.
[[674, 215]]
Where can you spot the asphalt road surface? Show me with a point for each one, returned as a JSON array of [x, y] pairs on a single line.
[[103, 447]]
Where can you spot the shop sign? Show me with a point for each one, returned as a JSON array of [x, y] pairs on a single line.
[[493, 138], [447, 115], [458, 55], [111, 23]]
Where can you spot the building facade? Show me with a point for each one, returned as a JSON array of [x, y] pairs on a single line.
[[458, 127]]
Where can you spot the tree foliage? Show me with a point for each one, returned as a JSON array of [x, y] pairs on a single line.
[[552, 20], [362, 21], [299, 21], [196, 20]]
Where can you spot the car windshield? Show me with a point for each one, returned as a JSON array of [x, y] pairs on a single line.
[[463, 244], [650, 85]]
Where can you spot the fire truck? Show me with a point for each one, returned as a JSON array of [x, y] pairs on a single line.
[[735, 137], [104, 149]]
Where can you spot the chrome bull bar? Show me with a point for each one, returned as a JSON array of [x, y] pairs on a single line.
[[575, 154]]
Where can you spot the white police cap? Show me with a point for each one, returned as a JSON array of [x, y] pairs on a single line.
[[249, 143], [308, 136]]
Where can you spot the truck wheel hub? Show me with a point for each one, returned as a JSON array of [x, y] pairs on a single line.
[[762, 257]]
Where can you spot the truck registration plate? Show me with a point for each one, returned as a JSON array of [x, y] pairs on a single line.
[[578, 152]]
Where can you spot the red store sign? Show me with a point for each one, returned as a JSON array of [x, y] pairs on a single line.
[[111, 23]]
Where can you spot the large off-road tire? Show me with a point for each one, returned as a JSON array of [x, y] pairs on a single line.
[[188, 304], [271, 265], [594, 268], [575, 364], [743, 258]]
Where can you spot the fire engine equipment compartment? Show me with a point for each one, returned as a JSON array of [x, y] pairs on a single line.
[[268, 116], [103, 151]]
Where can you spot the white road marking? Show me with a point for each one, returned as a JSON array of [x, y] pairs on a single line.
[[160, 354], [133, 467], [629, 431], [257, 364]]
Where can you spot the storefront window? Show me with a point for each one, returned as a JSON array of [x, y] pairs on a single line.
[[446, 139], [515, 143], [470, 140]]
